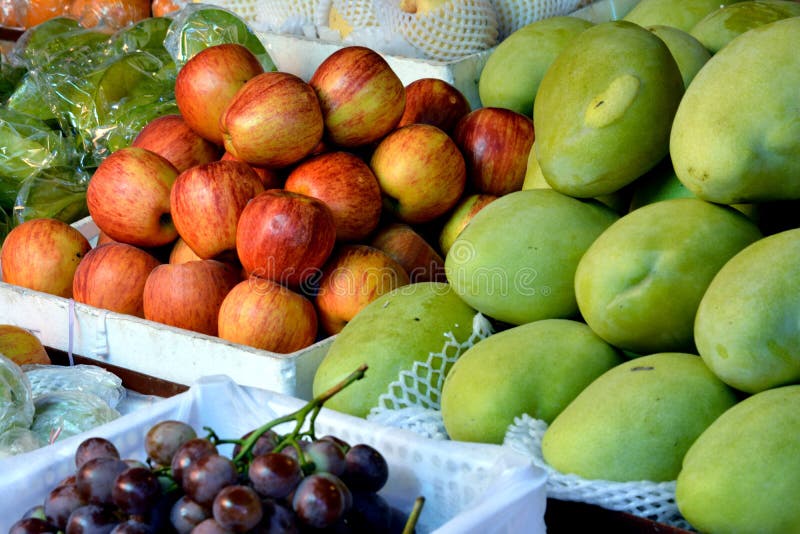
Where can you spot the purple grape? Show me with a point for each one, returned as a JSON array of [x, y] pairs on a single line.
[[327, 456], [274, 474], [207, 476], [370, 513], [237, 508], [35, 512], [188, 453], [91, 519], [96, 447], [210, 526], [321, 499], [136, 491], [32, 525], [61, 502], [132, 526], [366, 468], [277, 519], [165, 438], [187, 514], [95, 478], [339, 441], [264, 444]]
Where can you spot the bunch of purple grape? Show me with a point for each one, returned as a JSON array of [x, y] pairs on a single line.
[[271, 483]]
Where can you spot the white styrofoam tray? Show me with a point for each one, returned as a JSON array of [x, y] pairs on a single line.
[[165, 352], [468, 487]]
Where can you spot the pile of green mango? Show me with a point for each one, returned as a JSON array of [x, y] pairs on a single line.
[[645, 283], [72, 95]]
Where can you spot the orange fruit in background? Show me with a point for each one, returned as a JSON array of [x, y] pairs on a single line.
[[38, 11], [161, 8], [9, 14], [112, 14]]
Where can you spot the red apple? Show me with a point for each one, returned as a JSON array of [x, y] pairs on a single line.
[[263, 314], [421, 172], [112, 277], [43, 254], [274, 120], [362, 98], [181, 252], [347, 185], [128, 197], [206, 202], [354, 276], [207, 82], [435, 102], [270, 178], [188, 295], [22, 346], [496, 143], [171, 137], [103, 238], [460, 216], [408, 248], [285, 236]]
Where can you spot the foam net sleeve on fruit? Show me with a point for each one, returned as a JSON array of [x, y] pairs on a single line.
[[651, 500], [514, 14], [447, 33], [412, 401]]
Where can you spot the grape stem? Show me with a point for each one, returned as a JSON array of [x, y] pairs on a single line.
[[413, 517], [312, 407]]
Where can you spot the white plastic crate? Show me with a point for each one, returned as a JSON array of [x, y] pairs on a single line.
[[468, 487], [161, 351]]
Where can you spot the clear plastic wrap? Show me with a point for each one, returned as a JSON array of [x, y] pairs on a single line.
[[16, 398], [18, 440], [62, 414], [198, 26], [46, 379]]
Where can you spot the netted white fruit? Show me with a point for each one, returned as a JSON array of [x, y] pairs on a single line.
[[514, 14], [282, 16], [348, 15], [444, 30]]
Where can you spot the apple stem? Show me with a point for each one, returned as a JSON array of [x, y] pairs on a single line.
[[312, 407]]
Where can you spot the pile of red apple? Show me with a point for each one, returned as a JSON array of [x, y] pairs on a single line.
[[271, 210]]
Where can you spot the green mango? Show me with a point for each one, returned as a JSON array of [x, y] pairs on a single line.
[[742, 475], [535, 369], [689, 53], [515, 261], [636, 421], [722, 25], [680, 14], [534, 179], [639, 284], [604, 109], [746, 328], [659, 183], [512, 72], [734, 139], [390, 334]]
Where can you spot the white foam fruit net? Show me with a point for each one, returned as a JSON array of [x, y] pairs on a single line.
[[412, 402], [449, 32], [514, 14], [651, 500]]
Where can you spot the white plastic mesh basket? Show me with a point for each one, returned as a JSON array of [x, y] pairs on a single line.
[[468, 488]]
